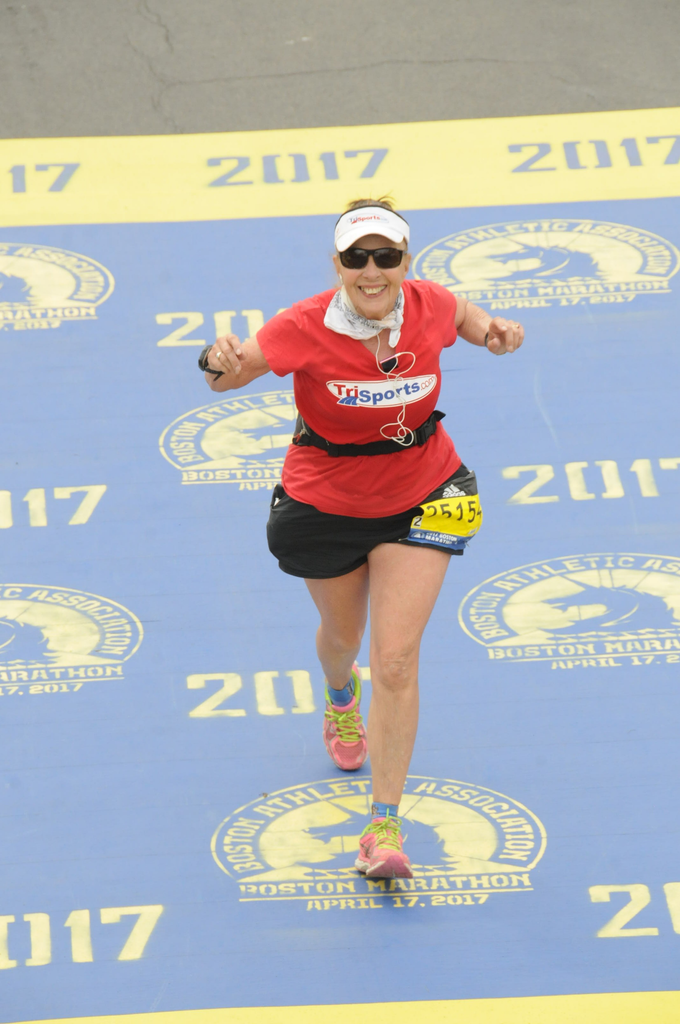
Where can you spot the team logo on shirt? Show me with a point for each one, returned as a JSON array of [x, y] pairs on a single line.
[[41, 286], [587, 611], [466, 842], [54, 638], [239, 441], [545, 262], [380, 394]]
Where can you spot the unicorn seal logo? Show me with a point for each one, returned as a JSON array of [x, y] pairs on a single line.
[[236, 441], [41, 286], [587, 611], [541, 263], [467, 842], [49, 634]]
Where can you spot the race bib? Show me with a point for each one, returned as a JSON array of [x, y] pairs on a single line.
[[448, 523]]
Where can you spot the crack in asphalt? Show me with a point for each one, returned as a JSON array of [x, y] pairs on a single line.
[[156, 97], [155, 19], [357, 67], [166, 82]]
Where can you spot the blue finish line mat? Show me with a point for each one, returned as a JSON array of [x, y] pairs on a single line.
[[175, 844]]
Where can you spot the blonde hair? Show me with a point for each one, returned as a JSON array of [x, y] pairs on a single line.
[[386, 202]]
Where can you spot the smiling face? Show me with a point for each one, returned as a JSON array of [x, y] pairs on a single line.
[[373, 291]]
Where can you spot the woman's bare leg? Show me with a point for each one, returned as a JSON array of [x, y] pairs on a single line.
[[343, 606], [404, 584]]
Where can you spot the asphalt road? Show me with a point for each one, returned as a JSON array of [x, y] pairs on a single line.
[[117, 67]]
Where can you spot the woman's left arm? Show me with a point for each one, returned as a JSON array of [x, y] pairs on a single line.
[[474, 325]]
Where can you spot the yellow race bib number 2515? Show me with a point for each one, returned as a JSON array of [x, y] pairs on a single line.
[[458, 517]]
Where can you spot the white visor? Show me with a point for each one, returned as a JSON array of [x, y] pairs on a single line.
[[369, 220]]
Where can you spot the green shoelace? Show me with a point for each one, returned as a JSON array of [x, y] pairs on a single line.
[[346, 722], [386, 832]]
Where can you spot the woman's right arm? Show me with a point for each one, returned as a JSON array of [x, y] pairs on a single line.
[[239, 363]]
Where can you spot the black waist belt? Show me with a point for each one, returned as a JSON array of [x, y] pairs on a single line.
[[305, 437]]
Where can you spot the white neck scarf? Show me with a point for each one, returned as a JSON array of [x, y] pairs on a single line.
[[342, 317]]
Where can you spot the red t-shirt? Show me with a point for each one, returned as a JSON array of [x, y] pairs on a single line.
[[342, 395]]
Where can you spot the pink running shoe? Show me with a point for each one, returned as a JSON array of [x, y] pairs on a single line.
[[381, 853], [343, 729]]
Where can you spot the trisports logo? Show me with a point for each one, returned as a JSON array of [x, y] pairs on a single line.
[[380, 394], [41, 286], [300, 843], [585, 611], [545, 262], [55, 633], [234, 441]]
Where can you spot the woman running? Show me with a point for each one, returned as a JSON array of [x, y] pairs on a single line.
[[374, 498]]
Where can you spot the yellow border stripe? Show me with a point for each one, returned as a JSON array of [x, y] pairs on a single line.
[[601, 1008], [429, 165]]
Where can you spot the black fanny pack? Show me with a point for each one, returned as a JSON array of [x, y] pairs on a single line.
[[305, 437]]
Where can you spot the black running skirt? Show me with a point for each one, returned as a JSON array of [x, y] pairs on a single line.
[[317, 545]]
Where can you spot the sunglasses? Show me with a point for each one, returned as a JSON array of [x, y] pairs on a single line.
[[356, 259]]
